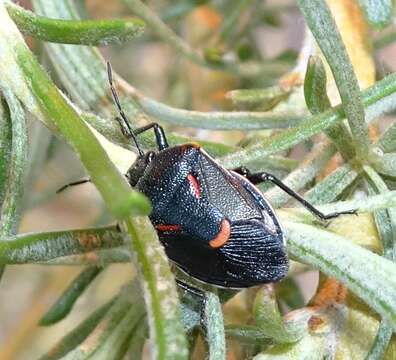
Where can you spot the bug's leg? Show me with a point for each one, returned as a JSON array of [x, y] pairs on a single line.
[[124, 129], [197, 293], [256, 178], [190, 289], [74, 183], [159, 134]]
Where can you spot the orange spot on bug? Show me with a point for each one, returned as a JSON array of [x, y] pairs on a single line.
[[166, 227], [223, 235], [194, 183]]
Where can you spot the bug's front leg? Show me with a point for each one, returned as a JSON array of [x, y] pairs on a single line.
[[256, 178]]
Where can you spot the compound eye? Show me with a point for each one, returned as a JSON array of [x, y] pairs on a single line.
[[150, 157]]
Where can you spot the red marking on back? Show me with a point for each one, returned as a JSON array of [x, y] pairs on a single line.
[[194, 183], [167, 227]]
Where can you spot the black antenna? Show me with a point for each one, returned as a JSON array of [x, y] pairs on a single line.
[[125, 125]]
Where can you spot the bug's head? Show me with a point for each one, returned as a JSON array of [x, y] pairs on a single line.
[[136, 171]]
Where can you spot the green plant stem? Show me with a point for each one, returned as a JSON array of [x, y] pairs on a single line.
[[320, 21], [86, 32], [36, 247], [159, 290], [311, 126]]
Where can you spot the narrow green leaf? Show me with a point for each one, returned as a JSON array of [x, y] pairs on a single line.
[[66, 301], [116, 344], [315, 85], [309, 348], [5, 146], [304, 173], [263, 98], [166, 330], [387, 142], [313, 125], [36, 247], [386, 226], [381, 342], [378, 12], [370, 276], [384, 39], [88, 32], [369, 204], [78, 334], [247, 334], [331, 188], [219, 120], [322, 25], [128, 305], [111, 130], [270, 320], [385, 219], [289, 292], [383, 163], [137, 340], [11, 206], [100, 257], [191, 310], [214, 327]]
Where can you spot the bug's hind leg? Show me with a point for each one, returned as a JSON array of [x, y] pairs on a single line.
[[259, 177], [158, 132]]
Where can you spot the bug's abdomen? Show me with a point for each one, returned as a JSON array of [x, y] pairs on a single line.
[[251, 256]]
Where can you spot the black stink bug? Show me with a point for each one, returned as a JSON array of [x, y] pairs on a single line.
[[214, 223]]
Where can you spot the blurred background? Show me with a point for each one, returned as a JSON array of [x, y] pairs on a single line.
[[263, 30]]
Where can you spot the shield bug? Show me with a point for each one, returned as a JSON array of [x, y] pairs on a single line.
[[214, 223]]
